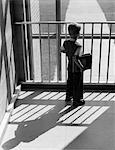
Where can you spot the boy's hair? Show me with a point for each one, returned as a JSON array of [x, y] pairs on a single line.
[[74, 29]]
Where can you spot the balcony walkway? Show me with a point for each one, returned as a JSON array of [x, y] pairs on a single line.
[[42, 120]]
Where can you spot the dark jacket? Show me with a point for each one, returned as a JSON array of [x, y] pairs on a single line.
[[71, 47]]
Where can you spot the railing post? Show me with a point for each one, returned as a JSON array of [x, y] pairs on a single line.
[[24, 55], [17, 14], [29, 38], [58, 18], [100, 54], [92, 34], [109, 47]]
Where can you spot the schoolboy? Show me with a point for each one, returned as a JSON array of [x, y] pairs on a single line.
[[73, 49]]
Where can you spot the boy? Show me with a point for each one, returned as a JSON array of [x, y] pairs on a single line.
[[75, 78]]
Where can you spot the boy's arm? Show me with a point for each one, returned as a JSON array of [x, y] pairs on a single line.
[[63, 48], [78, 63], [79, 51]]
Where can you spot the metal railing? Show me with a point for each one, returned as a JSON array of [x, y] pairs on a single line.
[[49, 65]]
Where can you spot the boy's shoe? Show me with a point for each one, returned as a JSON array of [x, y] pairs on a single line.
[[79, 103]]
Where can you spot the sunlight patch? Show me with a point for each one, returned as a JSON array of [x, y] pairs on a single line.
[[67, 115], [31, 112], [91, 97], [76, 115], [113, 99], [41, 95], [26, 94], [100, 96], [63, 97], [64, 109], [19, 108], [86, 115], [50, 95], [22, 112], [108, 97], [82, 115], [57, 96], [96, 115], [59, 137]]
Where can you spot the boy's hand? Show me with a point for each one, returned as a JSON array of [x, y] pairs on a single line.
[[78, 63], [62, 49]]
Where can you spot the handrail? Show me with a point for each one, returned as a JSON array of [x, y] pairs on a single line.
[[63, 22]]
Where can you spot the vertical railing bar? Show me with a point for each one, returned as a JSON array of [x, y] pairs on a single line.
[[109, 53], [100, 52], [25, 67], [40, 52], [83, 36], [27, 53], [66, 31], [65, 54], [31, 54], [26, 42], [83, 40], [91, 48], [57, 52], [49, 52]]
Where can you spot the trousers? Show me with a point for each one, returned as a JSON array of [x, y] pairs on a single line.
[[75, 85]]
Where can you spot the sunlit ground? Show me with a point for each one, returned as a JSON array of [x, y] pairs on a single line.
[[42, 120]]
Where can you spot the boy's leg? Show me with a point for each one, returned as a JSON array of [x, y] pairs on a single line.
[[81, 86], [78, 89], [76, 86], [69, 88]]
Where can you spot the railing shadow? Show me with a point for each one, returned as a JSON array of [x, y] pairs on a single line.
[[28, 131], [41, 113]]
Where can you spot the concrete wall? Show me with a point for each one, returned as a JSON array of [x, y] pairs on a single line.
[[7, 67]]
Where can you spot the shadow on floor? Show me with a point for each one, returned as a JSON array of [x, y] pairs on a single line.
[[45, 117], [28, 131]]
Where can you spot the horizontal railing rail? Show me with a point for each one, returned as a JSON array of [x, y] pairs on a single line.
[[63, 22], [49, 65], [62, 36]]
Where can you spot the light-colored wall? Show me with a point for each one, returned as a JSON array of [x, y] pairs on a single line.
[[7, 67]]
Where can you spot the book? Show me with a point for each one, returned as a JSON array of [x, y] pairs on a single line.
[[83, 62], [86, 61]]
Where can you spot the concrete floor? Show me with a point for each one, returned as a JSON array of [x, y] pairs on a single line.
[[43, 121]]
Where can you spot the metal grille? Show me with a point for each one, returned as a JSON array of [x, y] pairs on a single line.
[[96, 38]]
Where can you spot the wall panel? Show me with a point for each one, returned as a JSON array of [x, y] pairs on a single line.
[[7, 66]]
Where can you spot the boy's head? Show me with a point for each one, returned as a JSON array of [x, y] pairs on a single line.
[[74, 30]]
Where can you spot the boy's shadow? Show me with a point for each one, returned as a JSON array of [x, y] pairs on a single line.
[[30, 130]]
